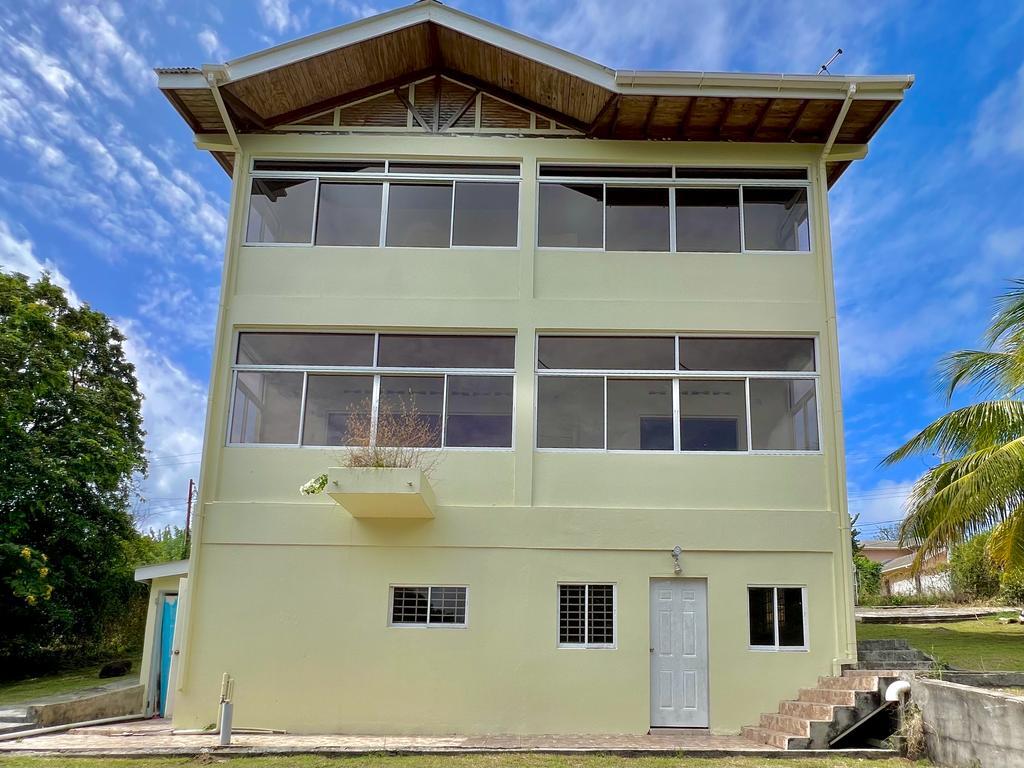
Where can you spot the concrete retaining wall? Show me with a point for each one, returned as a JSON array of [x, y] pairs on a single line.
[[123, 700], [984, 679], [967, 726]]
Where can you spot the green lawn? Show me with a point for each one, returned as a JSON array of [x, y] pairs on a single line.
[[63, 682], [978, 644], [456, 761]]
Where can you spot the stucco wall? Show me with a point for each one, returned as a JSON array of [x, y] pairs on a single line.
[[966, 727], [289, 594]]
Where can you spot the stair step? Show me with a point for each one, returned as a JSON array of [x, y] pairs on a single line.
[[835, 696], [809, 710], [887, 644], [852, 683], [894, 656], [775, 738], [797, 726], [867, 672], [9, 727], [14, 715]]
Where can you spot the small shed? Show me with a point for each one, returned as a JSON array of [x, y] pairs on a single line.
[[167, 590]]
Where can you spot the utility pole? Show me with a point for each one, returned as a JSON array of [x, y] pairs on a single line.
[[188, 516]]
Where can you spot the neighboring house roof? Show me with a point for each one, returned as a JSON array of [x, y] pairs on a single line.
[[881, 544], [289, 82], [898, 563], [150, 572]]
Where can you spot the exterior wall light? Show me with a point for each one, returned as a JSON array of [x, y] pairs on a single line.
[[676, 565]]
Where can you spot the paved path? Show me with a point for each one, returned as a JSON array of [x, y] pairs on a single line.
[[922, 614], [155, 737]]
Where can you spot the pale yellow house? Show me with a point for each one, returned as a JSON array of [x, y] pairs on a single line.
[[609, 294]]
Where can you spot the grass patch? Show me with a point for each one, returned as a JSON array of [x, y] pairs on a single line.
[[67, 681], [454, 761], [976, 644]]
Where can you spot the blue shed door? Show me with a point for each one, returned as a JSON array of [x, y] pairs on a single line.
[[168, 616]]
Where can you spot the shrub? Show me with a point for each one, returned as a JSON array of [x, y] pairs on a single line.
[[973, 573], [1012, 587], [869, 578]]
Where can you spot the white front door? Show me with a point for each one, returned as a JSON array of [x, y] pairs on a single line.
[[679, 653]]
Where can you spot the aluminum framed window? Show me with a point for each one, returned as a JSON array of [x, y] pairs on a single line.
[[428, 606], [354, 389], [777, 618], [587, 615], [382, 203], [680, 393], [709, 210]]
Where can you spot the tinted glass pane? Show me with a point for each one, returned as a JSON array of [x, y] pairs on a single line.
[[410, 411], [333, 166], [349, 214], [305, 349], [479, 412], [456, 169], [712, 415], [762, 617], [741, 173], [266, 407], [746, 354], [570, 412], [571, 619], [607, 171], [640, 415], [337, 410], [637, 219], [409, 605], [486, 214], [571, 216], [612, 353], [419, 215], [407, 351], [281, 211], [600, 614], [447, 605], [775, 219], [708, 220], [783, 415], [791, 616]]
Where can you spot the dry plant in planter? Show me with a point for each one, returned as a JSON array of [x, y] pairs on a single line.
[[402, 438]]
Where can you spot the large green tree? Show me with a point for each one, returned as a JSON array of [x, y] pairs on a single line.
[[71, 440], [978, 482]]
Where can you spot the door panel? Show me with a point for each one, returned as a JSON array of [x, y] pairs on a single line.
[[679, 653], [168, 618]]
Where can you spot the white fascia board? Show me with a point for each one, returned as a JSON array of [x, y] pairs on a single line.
[[442, 15], [150, 572], [174, 80], [757, 85]]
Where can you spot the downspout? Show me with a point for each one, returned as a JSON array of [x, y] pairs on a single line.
[[831, 325], [216, 74]]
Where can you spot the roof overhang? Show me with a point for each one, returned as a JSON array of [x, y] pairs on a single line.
[[289, 82], [150, 572]]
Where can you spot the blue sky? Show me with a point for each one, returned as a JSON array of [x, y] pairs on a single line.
[[101, 185]]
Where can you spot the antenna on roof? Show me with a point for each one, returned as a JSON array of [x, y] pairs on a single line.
[[830, 62]]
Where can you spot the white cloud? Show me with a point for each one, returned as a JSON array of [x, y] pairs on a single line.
[[48, 68], [103, 47], [18, 255], [999, 127], [277, 15], [881, 504], [211, 44]]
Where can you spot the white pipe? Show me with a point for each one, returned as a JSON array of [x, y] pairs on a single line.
[[69, 726], [897, 690], [226, 713]]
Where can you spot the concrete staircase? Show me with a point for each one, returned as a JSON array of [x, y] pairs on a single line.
[[892, 654], [14, 719]]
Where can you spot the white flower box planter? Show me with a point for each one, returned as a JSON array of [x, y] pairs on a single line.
[[382, 492]]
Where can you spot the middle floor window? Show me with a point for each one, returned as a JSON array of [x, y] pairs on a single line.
[[354, 389], [664, 393]]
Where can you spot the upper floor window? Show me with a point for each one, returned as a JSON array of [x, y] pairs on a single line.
[[350, 389], [643, 208], [374, 203], [677, 393]]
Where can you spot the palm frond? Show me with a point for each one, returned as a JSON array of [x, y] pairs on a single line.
[[991, 373], [965, 430], [1006, 544], [1009, 319]]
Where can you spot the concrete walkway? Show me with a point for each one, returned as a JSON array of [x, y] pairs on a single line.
[[923, 614], [155, 737]]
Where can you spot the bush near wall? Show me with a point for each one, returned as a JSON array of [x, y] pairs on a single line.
[[1011, 589], [973, 574], [869, 578]]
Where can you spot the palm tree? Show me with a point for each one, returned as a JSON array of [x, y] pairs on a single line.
[[979, 483]]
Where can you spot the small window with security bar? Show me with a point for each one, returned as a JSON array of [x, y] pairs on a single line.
[[428, 606], [373, 203], [586, 615], [673, 209]]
